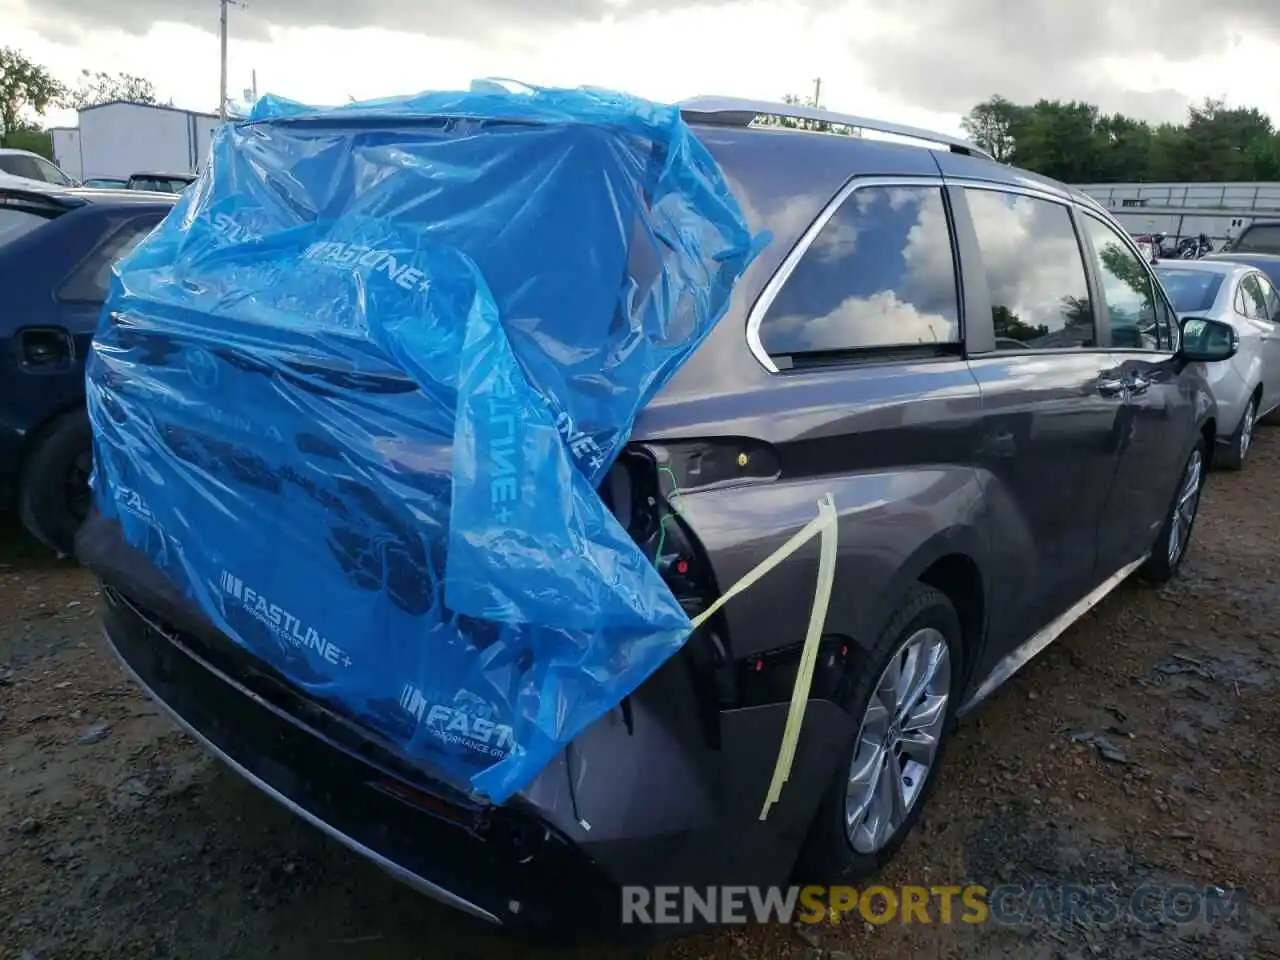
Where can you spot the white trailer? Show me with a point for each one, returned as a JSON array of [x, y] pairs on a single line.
[[66, 150], [119, 138], [1219, 210]]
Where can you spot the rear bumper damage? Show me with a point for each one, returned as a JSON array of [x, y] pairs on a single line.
[[164, 666], [508, 869], [640, 798]]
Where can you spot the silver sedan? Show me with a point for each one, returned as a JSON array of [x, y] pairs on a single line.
[[1247, 387]]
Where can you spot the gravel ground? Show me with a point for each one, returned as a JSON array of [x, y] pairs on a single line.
[[1140, 749]]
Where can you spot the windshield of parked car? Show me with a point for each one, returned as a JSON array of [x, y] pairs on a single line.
[[159, 184], [1192, 291], [51, 174], [32, 167], [1259, 238]]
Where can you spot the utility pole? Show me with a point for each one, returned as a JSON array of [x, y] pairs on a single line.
[[222, 30], [222, 85], [817, 93]]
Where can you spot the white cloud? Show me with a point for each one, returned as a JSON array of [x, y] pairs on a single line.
[[1031, 255], [873, 58], [882, 319], [922, 310]]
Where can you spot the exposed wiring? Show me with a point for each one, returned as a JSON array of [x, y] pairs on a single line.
[[675, 495], [675, 492], [824, 526]]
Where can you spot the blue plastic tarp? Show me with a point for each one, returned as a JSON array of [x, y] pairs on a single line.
[[355, 394]]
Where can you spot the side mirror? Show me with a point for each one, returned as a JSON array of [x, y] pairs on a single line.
[[1208, 341]]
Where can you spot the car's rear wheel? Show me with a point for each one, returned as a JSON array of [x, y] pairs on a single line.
[[1175, 536], [904, 692], [1237, 446], [53, 492]]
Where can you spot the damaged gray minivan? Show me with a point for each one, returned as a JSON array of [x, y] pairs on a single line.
[[980, 366]]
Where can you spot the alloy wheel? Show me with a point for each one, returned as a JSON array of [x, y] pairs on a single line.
[[898, 740], [1184, 507], [1246, 428]]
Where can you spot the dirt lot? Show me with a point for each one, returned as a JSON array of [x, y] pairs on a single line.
[[120, 839]]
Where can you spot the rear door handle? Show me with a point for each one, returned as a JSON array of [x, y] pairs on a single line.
[[1111, 387]]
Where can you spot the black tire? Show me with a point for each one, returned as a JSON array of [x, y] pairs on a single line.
[[53, 488], [1160, 566], [828, 856], [1231, 454]]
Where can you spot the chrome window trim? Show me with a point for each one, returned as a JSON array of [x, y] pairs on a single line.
[[789, 263], [1018, 189]]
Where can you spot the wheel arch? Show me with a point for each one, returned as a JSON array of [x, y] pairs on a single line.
[[1209, 434], [39, 433], [953, 561]]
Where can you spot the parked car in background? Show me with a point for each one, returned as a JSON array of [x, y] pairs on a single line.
[[161, 182], [32, 166], [57, 246], [1268, 263], [1260, 236], [107, 183], [996, 392], [1246, 388]]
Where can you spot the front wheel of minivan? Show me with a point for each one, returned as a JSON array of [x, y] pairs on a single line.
[[904, 692], [1175, 536]]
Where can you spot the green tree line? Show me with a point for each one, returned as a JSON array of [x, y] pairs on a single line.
[[28, 89], [1076, 142]]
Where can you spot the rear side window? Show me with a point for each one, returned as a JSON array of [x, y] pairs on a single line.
[[1035, 272], [158, 185], [1261, 238], [880, 273], [14, 222], [1251, 302], [1272, 298], [92, 277]]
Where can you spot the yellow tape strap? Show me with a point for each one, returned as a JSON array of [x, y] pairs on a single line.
[[824, 525], [829, 530], [806, 533]]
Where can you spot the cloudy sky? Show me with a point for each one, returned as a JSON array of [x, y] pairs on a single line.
[[918, 61]]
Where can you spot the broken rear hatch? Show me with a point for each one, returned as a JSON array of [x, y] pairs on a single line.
[[353, 400]]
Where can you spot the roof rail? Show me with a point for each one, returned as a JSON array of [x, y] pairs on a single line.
[[734, 112]]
